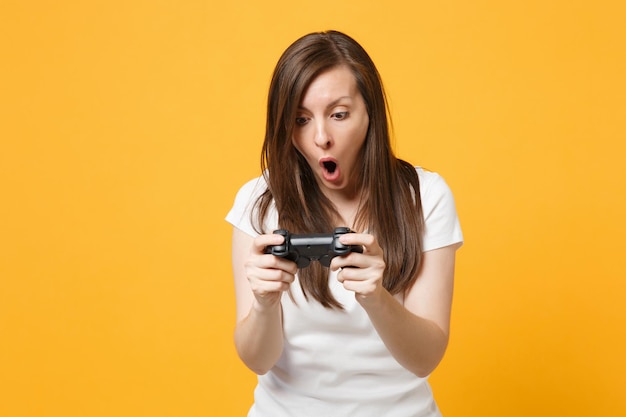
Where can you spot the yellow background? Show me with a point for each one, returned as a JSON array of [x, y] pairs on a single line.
[[127, 127]]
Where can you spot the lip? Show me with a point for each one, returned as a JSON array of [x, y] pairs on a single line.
[[327, 175]]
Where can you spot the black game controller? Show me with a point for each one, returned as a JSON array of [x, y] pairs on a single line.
[[302, 249]]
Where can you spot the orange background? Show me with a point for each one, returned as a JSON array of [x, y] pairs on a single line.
[[127, 127]]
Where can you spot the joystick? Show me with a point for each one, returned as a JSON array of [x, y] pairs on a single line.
[[302, 249]]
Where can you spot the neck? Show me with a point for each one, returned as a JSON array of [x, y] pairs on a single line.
[[348, 208]]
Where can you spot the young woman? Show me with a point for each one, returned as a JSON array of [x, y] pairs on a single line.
[[361, 337]]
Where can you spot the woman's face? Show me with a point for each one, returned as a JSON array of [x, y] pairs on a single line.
[[330, 128]]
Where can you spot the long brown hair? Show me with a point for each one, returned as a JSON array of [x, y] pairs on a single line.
[[390, 207]]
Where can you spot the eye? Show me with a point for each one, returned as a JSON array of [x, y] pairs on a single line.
[[340, 115], [301, 121]]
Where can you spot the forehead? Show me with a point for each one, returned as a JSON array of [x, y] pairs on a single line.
[[330, 85]]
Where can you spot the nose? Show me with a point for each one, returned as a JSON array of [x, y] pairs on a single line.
[[323, 139]]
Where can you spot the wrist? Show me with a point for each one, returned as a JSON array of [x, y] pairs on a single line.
[[268, 305], [374, 299]]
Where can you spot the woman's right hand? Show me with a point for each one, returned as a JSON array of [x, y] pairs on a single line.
[[267, 274], [260, 280]]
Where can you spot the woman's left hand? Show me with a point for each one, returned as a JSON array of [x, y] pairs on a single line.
[[361, 272]]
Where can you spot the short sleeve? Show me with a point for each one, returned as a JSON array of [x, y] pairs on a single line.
[[442, 226], [241, 213]]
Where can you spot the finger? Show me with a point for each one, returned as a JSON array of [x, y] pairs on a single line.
[[352, 260], [341, 277], [262, 241], [263, 288], [363, 288], [260, 272], [350, 273], [263, 281], [269, 261], [366, 240]]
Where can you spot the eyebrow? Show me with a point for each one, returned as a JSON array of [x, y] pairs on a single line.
[[331, 104]]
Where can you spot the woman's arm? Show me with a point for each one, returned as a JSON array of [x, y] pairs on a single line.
[[416, 332], [260, 280]]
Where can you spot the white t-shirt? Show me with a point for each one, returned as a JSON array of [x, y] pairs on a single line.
[[333, 361]]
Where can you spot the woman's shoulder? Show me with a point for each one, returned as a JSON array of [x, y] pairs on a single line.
[[430, 180], [251, 189], [240, 215], [439, 209]]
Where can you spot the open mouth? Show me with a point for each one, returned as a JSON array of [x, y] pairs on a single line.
[[330, 169], [330, 166]]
